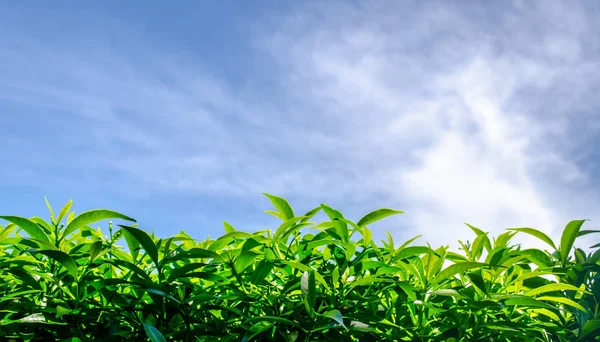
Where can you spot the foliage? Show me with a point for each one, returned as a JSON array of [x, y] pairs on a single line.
[[66, 281]]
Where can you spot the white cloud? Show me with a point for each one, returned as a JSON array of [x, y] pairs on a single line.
[[432, 99]]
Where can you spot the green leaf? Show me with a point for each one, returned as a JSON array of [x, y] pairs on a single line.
[[589, 329], [586, 232], [341, 227], [563, 300], [478, 281], [456, 268], [275, 319], [477, 248], [377, 215], [227, 239], [486, 241], [285, 225], [262, 270], [228, 228], [367, 236], [310, 214], [538, 234], [202, 253], [133, 244], [95, 249], [553, 288], [64, 211], [568, 238], [527, 301], [309, 291], [282, 206], [153, 333], [61, 310], [50, 209], [336, 315], [63, 258], [91, 216], [244, 260], [447, 293], [145, 240], [410, 251], [32, 229]]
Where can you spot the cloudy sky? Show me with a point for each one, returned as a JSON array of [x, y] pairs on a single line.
[[181, 115]]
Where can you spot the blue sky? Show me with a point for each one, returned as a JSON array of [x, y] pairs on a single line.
[[181, 115]]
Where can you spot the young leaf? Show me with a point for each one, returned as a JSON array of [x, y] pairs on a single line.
[[95, 249], [568, 238], [283, 207], [553, 288], [64, 211], [28, 226], [563, 300], [341, 227], [50, 209], [228, 228], [538, 234], [377, 215], [92, 216], [456, 268]]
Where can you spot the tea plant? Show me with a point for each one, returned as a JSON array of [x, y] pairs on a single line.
[[63, 280]]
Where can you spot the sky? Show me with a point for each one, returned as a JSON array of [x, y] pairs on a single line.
[[181, 115]]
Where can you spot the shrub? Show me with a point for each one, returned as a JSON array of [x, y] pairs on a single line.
[[64, 280]]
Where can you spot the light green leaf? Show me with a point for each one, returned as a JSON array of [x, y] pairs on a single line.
[[377, 215], [50, 209], [568, 238], [95, 249], [341, 227], [31, 228], [456, 268], [282, 206], [538, 234], [244, 260], [64, 211], [228, 228], [563, 300], [91, 216], [553, 288]]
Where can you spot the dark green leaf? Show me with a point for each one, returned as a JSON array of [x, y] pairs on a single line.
[[153, 333], [145, 241]]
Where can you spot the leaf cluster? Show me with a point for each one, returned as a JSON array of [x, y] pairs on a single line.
[[64, 280]]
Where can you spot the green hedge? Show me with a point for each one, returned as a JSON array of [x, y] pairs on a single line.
[[64, 280]]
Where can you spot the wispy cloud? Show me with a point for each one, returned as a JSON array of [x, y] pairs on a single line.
[[460, 115]]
